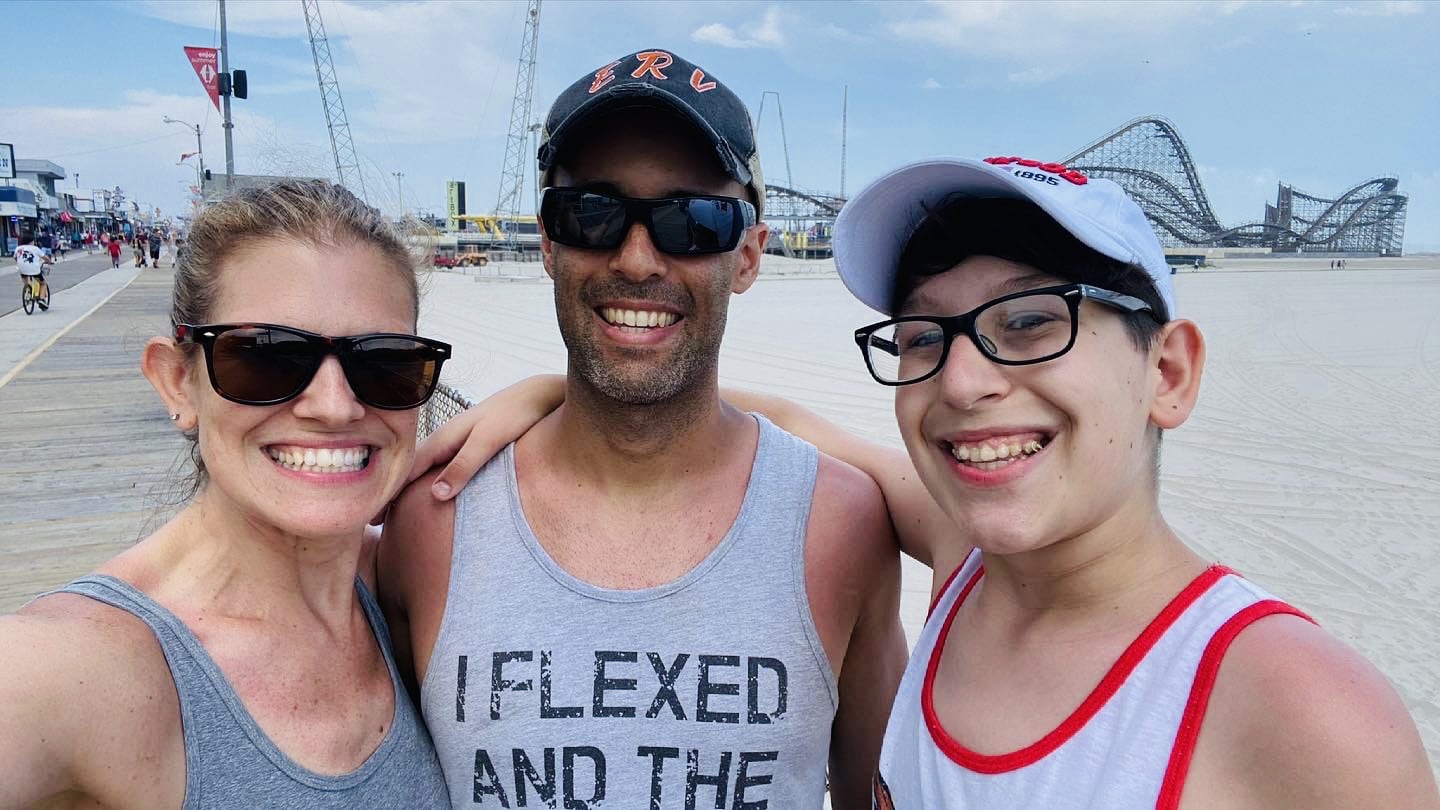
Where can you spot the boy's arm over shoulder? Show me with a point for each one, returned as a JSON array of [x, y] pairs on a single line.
[[853, 577], [87, 707], [1299, 720], [922, 527], [413, 574]]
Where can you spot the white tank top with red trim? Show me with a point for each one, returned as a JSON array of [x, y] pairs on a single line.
[[1127, 746]]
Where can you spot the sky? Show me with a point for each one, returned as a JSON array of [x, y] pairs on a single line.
[[1322, 95]]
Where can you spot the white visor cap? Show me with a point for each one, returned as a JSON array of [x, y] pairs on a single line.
[[876, 224]]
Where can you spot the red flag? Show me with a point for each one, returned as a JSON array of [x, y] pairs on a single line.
[[206, 61]]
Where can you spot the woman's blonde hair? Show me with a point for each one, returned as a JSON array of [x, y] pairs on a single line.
[[313, 212]]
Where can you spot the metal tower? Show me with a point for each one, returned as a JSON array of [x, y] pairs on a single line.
[[347, 164], [784, 142], [512, 177]]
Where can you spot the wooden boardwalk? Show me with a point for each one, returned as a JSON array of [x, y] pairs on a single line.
[[87, 452]]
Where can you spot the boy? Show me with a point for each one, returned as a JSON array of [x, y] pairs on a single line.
[[1075, 645]]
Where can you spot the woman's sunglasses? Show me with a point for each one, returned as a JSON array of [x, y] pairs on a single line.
[[264, 364], [680, 226]]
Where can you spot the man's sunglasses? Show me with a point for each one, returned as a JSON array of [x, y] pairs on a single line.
[[680, 226], [264, 364]]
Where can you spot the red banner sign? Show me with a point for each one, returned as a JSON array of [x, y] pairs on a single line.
[[206, 62]]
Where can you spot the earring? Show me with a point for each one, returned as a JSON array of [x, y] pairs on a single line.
[[174, 417]]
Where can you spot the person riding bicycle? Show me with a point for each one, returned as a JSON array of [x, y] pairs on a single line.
[[31, 260]]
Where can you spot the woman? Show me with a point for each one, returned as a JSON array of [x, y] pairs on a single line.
[[236, 657]]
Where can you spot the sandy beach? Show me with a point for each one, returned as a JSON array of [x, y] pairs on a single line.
[[1309, 466]]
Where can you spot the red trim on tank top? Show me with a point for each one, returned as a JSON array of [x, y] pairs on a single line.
[[935, 600], [1189, 732], [1108, 686]]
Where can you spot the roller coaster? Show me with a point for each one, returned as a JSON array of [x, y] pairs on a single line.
[[1149, 159]]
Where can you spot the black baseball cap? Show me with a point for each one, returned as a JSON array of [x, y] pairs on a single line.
[[668, 81]]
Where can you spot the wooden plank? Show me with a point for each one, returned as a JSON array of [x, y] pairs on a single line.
[[88, 457]]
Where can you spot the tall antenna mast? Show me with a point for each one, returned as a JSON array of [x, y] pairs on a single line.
[[784, 142], [844, 119], [512, 177], [347, 164]]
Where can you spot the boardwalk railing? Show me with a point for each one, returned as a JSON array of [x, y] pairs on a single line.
[[443, 405]]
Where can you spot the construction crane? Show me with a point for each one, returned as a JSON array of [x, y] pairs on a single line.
[[512, 177], [347, 164]]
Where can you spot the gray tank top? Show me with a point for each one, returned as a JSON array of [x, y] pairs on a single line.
[[230, 763], [710, 691]]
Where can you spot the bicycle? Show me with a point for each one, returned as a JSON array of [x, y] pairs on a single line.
[[34, 290]]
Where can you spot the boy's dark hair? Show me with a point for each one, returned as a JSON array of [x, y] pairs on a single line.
[[962, 226]]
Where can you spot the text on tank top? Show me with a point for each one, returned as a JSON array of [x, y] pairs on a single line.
[[711, 690], [1127, 746], [230, 763]]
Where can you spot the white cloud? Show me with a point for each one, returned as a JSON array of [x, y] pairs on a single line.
[[138, 151], [1384, 8], [1056, 37], [398, 85], [268, 19], [1033, 75], [932, 84], [767, 33], [719, 34]]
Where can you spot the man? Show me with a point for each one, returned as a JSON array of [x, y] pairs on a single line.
[[663, 600], [156, 240]]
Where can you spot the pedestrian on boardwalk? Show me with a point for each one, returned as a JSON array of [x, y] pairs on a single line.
[[137, 248], [236, 657], [112, 246], [155, 240]]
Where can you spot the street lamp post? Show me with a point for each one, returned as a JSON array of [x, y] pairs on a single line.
[[400, 190], [199, 150]]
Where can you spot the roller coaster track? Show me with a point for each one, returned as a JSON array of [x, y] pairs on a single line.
[[1150, 160], [783, 203]]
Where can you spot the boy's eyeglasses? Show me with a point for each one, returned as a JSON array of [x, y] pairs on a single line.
[[679, 226], [265, 364], [1014, 330]]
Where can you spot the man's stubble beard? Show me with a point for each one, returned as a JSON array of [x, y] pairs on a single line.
[[692, 364]]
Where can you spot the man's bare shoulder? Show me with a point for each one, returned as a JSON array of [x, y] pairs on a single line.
[[86, 691], [850, 544], [849, 508], [1297, 719]]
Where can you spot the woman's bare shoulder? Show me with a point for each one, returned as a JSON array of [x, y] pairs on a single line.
[[78, 650], [85, 688]]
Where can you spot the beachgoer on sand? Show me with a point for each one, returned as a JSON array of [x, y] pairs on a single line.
[[236, 657], [663, 593]]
